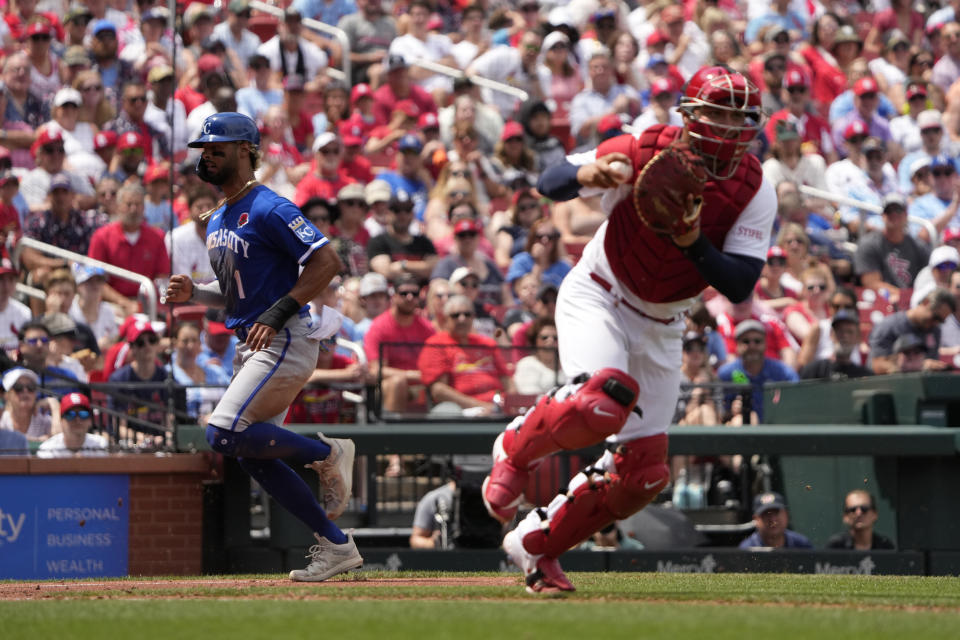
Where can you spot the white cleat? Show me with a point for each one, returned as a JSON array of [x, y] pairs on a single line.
[[336, 474], [328, 559]]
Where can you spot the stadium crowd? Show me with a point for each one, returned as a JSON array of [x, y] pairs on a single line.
[[425, 183]]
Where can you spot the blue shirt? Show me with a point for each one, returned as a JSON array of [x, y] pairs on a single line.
[[254, 103], [792, 539], [843, 104], [202, 399], [415, 190], [256, 248], [792, 21], [159, 215], [13, 443], [522, 264], [206, 354], [772, 371], [323, 11]]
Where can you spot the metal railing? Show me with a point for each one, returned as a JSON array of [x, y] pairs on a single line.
[[480, 81], [148, 291], [322, 27]]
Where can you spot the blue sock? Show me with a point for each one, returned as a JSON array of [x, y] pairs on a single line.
[[290, 490], [266, 441]]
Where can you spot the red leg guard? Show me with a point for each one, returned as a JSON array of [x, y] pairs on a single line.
[[642, 472], [596, 410]]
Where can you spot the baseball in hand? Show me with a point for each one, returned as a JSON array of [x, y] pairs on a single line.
[[623, 169]]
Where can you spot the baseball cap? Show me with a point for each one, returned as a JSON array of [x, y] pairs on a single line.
[[794, 78], [410, 141], [892, 200], [428, 120], [872, 144], [395, 61], [844, 315], [7, 176], [512, 129], [847, 33], [661, 86], [67, 95], [76, 56], [361, 90], [11, 377], [655, 59], [776, 252], [944, 254], [950, 234], [865, 85], [159, 73], [6, 266], [72, 401], [915, 90], [156, 172], [238, 6], [102, 25], [195, 12], [39, 27], [553, 38], [929, 119], [377, 191], [60, 181], [323, 140], [82, 273], [129, 140], [215, 328], [747, 326], [854, 129], [59, 324], [767, 501], [408, 108], [671, 13], [75, 11], [209, 63], [941, 161], [104, 139], [352, 191], [350, 133], [400, 200], [155, 13], [47, 135], [694, 336], [918, 164], [895, 37], [906, 342], [774, 31], [609, 126], [657, 37], [786, 130], [467, 225], [371, 283], [138, 328], [460, 273]]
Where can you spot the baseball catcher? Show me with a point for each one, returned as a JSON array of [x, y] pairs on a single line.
[[689, 210]]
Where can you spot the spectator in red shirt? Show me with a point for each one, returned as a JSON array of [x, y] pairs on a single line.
[[354, 164], [399, 87], [780, 345], [24, 12], [396, 366], [318, 402], [130, 243], [361, 101], [9, 216], [328, 176], [463, 370]]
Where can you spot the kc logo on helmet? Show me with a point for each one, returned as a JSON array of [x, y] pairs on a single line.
[[206, 128]]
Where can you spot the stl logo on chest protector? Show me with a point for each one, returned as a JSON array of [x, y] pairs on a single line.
[[303, 230], [242, 220]]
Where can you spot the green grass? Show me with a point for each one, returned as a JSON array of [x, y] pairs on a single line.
[[633, 606]]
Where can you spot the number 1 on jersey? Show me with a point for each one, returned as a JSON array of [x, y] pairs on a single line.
[[240, 293]]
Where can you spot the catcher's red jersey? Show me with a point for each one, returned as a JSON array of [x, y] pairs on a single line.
[[650, 265]]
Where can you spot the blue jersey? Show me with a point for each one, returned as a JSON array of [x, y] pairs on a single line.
[[256, 247], [414, 189]]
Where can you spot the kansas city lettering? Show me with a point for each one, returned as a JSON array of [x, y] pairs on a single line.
[[228, 239]]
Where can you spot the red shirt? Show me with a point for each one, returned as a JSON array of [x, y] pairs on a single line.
[[359, 169], [318, 404], [812, 128], [147, 257], [313, 185], [384, 100], [385, 329], [778, 338], [474, 370], [828, 80], [16, 24], [190, 97], [8, 216]]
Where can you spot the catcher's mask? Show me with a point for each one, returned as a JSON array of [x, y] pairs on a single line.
[[721, 143]]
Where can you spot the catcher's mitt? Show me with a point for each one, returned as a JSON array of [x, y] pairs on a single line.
[[660, 191]]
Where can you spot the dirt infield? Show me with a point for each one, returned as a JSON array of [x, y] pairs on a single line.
[[36, 590]]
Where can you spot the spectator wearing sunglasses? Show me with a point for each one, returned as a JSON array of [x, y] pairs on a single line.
[[76, 418], [859, 516], [466, 233], [544, 256], [461, 369], [328, 176], [144, 367], [24, 410], [34, 354], [233, 33]]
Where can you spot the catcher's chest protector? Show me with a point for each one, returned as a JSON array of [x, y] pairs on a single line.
[[650, 265]]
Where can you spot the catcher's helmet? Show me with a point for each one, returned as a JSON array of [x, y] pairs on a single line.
[[227, 127], [723, 140]]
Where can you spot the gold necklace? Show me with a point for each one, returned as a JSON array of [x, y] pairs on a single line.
[[207, 214]]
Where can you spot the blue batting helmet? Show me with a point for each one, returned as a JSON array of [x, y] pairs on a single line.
[[227, 127]]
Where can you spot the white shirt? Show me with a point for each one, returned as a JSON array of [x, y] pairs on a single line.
[[245, 47], [648, 118], [314, 59], [36, 185], [809, 171], [503, 64], [54, 447], [433, 48], [105, 326], [188, 253], [11, 319], [156, 117]]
